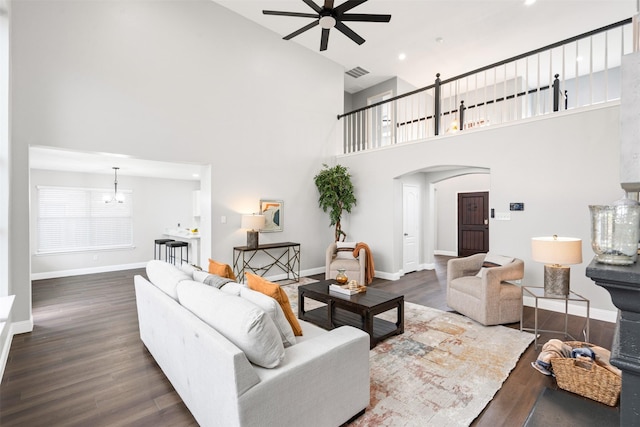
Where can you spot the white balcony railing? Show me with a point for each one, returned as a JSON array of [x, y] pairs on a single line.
[[577, 72]]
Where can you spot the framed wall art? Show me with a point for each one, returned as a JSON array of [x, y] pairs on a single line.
[[273, 214]]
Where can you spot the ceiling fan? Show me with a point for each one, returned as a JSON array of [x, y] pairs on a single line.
[[329, 17]]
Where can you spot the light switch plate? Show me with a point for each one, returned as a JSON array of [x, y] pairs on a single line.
[[503, 216]]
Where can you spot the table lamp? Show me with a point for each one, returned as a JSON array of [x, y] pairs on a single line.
[[252, 223], [555, 252]]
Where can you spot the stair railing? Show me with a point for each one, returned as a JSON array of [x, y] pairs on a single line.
[[573, 73]]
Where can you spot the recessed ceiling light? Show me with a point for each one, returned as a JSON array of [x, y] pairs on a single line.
[[439, 40], [402, 56], [529, 2]]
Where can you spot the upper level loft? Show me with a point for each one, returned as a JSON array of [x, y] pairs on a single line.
[[574, 73]]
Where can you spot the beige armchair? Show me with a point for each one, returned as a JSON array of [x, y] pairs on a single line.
[[354, 268], [487, 299]]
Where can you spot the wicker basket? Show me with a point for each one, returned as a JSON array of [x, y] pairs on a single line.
[[587, 378]]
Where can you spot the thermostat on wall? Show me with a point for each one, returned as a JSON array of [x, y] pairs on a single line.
[[519, 206]]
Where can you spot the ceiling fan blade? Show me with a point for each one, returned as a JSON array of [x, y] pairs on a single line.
[[365, 17], [302, 30], [312, 5], [324, 41], [296, 14], [328, 4], [348, 5], [349, 33]]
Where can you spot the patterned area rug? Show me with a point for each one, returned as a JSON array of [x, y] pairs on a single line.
[[442, 371]]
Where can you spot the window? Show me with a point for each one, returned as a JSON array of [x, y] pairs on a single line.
[[78, 219]]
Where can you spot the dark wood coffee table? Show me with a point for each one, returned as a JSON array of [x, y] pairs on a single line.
[[358, 310]]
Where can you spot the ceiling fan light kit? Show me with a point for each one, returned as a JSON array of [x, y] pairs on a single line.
[[331, 17]]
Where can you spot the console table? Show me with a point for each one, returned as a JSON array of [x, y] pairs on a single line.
[[285, 256]]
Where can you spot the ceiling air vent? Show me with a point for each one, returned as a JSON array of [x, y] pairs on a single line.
[[357, 72]]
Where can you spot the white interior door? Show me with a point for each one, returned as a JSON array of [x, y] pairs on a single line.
[[411, 214], [380, 121]]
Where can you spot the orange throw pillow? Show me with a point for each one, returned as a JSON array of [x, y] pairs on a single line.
[[220, 269], [274, 291]]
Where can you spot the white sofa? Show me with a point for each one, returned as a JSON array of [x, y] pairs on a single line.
[[322, 380]]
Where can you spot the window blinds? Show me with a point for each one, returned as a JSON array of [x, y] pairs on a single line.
[[78, 219]]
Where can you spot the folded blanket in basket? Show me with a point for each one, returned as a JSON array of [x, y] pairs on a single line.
[[556, 348]]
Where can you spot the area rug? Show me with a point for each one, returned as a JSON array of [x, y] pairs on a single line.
[[442, 371], [559, 408]]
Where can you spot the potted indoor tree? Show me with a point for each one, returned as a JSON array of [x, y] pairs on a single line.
[[336, 194]]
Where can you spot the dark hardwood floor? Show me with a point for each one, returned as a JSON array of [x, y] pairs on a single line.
[[84, 363]]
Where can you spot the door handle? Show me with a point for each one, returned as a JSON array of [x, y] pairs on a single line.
[[406, 234], [486, 222]]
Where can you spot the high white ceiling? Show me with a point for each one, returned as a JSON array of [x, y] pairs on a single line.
[[475, 33]]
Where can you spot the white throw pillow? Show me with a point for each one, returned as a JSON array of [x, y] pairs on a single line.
[[188, 269], [344, 250], [238, 320], [491, 260], [273, 309], [165, 276]]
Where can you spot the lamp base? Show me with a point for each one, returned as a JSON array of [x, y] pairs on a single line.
[[556, 280], [252, 239]]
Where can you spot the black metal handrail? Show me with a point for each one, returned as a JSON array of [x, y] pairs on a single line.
[[439, 82]]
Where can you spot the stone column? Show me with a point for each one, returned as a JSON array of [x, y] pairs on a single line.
[[623, 283]]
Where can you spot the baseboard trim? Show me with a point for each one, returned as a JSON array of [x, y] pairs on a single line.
[[574, 309], [445, 253], [90, 270], [22, 327], [6, 333], [6, 346]]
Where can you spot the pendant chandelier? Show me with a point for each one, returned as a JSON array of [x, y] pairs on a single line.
[[116, 197]]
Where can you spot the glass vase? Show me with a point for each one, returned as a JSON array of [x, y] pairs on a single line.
[[341, 277], [615, 231]]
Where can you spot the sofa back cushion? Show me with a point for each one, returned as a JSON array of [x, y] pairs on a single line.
[[165, 276], [238, 320], [273, 309], [274, 291]]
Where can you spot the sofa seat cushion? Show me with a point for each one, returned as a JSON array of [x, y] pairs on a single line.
[[273, 290], [470, 285], [165, 276], [238, 320], [273, 309], [309, 331]]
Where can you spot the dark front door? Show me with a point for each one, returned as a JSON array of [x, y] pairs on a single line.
[[473, 223]]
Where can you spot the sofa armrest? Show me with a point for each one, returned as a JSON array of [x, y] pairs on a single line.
[[512, 271], [331, 250], [468, 266], [323, 381]]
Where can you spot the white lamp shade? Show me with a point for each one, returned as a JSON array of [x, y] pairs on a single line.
[[252, 222], [556, 250]]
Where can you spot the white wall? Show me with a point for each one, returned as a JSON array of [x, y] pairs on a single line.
[[556, 165], [158, 204], [183, 81], [4, 148]]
